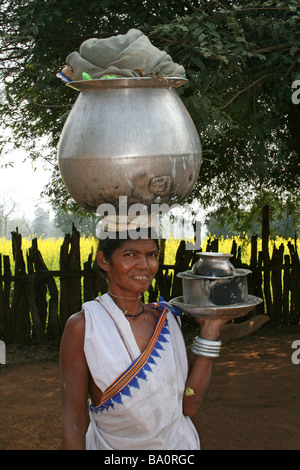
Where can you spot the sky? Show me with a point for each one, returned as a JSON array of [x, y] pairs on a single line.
[[22, 185]]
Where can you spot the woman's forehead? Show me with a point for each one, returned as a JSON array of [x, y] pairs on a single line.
[[139, 245]]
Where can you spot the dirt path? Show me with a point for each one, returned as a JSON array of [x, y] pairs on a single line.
[[253, 401]]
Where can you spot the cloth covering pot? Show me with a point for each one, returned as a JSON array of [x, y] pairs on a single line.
[[120, 55]]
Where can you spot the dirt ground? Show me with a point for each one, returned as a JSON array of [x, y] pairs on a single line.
[[253, 402]]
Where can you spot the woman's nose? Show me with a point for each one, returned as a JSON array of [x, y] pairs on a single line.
[[141, 262]]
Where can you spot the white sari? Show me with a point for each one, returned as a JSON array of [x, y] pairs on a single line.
[[141, 407]]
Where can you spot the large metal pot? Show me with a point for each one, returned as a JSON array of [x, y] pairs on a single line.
[[129, 137]]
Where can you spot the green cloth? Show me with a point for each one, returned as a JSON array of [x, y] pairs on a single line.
[[120, 55]]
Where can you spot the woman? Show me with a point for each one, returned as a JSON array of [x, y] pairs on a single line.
[[129, 359]]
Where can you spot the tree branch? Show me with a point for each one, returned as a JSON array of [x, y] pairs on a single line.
[[161, 38], [271, 48], [262, 9], [247, 88]]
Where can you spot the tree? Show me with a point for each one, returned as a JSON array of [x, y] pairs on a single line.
[[41, 222], [86, 225], [241, 59], [282, 223], [24, 227], [7, 207]]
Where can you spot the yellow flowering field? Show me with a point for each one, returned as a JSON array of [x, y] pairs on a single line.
[[50, 248], [225, 245]]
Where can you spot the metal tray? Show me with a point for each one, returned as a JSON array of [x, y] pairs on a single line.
[[223, 311]]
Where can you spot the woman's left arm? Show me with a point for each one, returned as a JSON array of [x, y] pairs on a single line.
[[201, 370]]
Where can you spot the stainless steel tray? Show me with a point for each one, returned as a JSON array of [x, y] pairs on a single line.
[[221, 311]]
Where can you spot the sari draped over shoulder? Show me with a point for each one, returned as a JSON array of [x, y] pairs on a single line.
[[141, 405]]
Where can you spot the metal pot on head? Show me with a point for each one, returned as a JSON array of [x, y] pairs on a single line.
[[129, 137]]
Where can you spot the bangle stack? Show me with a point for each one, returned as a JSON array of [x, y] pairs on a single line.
[[206, 348]]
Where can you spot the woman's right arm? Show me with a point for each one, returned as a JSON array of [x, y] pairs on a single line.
[[75, 376]]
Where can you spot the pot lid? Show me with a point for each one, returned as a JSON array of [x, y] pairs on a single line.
[[212, 264]]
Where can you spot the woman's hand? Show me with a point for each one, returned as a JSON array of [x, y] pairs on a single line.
[[211, 327]]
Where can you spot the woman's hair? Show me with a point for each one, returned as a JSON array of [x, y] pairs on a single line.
[[109, 245]]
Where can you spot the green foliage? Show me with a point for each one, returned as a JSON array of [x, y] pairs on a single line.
[[241, 59], [283, 223]]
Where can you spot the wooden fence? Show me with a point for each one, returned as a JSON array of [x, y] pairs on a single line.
[[36, 302]]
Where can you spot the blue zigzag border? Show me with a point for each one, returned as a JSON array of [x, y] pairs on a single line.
[[141, 375]]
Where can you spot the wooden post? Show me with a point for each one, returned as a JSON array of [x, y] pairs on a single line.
[[286, 291], [2, 310], [276, 280], [34, 296], [36, 291], [253, 257], [297, 281], [294, 285], [266, 259], [234, 249], [182, 261], [42, 281], [20, 325], [89, 280], [6, 296], [259, 286], [63, 299], [70, 283], [252, 278], [75, 298]]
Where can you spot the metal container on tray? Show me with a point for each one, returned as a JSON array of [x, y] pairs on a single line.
[[218, 283]]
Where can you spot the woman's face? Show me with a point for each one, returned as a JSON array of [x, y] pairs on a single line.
[[132, 267]]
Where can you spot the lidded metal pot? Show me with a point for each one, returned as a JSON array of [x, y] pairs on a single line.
[[214, 281], [213, 264], [129, 137]]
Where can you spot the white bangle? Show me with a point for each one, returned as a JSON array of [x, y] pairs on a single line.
[[206, 348]]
